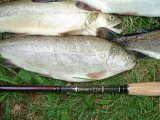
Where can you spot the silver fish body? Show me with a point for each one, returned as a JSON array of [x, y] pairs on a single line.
[[126, 7], [3, 1], [72, 58], [146, 43], [53, 18]]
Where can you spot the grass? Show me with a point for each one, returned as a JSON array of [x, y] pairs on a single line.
[[52, 106]]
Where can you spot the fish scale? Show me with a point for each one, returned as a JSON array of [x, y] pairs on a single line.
[[27, 7], [146, 43], [81, 59]]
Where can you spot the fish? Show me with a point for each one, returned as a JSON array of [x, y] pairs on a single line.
[[69, 58], [145, 8], [2, 1], [54, 19], [147, 43]]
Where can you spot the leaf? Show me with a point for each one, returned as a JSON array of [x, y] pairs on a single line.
[[104, 102], [2, 97], [7, 79], [26, 76], [38, 79], [66, 116], [8, 111], [8, 69]]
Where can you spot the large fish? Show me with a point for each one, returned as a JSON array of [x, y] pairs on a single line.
[[72, 58], [147, 43], [53, 18], [126, 7]]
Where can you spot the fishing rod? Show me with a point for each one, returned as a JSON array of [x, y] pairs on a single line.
[[142, 89]]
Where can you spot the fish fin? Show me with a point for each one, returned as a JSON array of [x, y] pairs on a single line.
[[46, 75], [98, 75], [9, 64], [106, 33], [73, 32], [46, 1], [83, 79], [85, 6], [131, 13]]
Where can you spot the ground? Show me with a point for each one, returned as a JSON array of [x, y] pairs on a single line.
[[52, 106]]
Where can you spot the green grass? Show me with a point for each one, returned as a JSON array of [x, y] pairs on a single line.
[[52, 106]]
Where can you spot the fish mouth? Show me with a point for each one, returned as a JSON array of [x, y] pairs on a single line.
[[110, 32], [113, 27], [131, 64]]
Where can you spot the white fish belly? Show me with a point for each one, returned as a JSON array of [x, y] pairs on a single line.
[[60, 66], [43, 24], [131, 7]]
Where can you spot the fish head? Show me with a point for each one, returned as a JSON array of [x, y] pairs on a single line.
[[108, 21], [120, 59]]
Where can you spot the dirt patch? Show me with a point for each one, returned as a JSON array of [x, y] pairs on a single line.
[[2, 110]]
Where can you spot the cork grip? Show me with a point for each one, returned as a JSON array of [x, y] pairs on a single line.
[[145, 89]]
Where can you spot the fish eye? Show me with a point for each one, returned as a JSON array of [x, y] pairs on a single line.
[[111, 18]]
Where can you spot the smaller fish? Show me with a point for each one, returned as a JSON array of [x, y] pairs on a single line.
[[146, 8], [53, 18], [147, 43]]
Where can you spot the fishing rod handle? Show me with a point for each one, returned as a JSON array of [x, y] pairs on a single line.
[[144, 89], [96, 89]]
